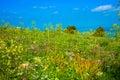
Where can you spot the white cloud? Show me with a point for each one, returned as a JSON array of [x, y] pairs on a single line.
[[102, 8], [55, 12], [40, 7], [52, 6], [76, 9], [43, 7]]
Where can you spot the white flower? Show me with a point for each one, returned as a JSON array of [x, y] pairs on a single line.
[[87, 74], [99, 73]]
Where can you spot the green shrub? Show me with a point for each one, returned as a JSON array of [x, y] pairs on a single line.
[[71, 30], [116, 30], [99, 32], [103, 43]]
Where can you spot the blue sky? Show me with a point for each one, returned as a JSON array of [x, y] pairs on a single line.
[[84, 14]]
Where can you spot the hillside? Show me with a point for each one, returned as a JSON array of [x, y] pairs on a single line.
[[54, 55]]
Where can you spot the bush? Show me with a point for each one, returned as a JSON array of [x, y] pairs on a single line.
[[103, 43], [99, 32], [116, 30], [71, 30]]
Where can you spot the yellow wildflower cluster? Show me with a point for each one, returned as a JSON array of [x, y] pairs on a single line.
[[1, 41], [10, 49], [81, 65], [59, 61], [24, 66], [37, 60], [14, 49], [2, 44]]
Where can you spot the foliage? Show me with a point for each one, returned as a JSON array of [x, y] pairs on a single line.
[[99, 32], [116, 30], [71, 30], [59, 27], [52, 55], [103, 43]]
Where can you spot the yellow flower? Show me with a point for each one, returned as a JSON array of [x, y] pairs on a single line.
[[34, 42], [7, 50], [46, 67], [14, 50], [24, 65], [1, 41], [37, 60], [12, 41], [20, 48], [8, 63], [56, 78]]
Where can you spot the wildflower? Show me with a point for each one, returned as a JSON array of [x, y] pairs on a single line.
[[71, 58], [20, 48], [57, 69], [8, 63], [56, 78], [46, 67], [21, 73], [62, 67], [16, 47], [34, 76], [24, 78], [99, 73], [46, 76], [37, 60], [15, 78], [69, 53], [87, 74], [14, 50], [34, 42], [1, 41], [24, 66], [32, 47], [82, 59], [107, 66], [7, 51], [9, 57], [33, 69]]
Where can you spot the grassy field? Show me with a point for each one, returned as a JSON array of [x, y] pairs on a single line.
[[54, 55]]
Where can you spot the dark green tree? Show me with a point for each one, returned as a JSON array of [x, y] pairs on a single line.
[[71, 30], [99, 32]]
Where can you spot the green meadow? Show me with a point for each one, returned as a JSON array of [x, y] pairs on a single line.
[[55, 54]]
